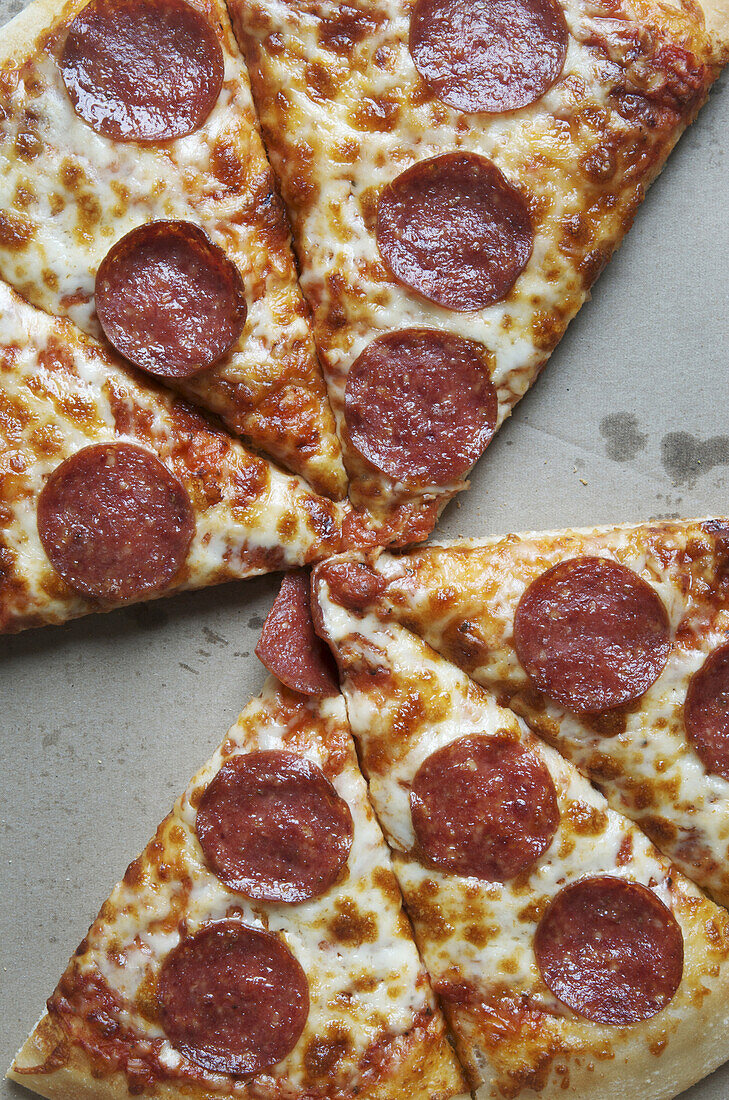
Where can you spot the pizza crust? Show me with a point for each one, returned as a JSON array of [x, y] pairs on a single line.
[[690, 1056], [20, 34], [716, 15], [71, 1081], [404, 703], [267, 388], [407, 1058], [432, 1064]]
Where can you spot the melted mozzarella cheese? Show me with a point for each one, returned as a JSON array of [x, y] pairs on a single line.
[[405, 702], [462, 598], [366, 982], [344, 112], [61, 393], [80, 192]]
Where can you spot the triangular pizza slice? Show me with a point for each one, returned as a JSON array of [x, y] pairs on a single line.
[[613, 644], [136, 199], [113, 490], [571, 958], [257, 948], [457, 175]]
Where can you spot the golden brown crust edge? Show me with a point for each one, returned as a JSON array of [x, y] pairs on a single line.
[[699, 1047], [20, 35], [716, 16], [430, 1071], [70, 1081]]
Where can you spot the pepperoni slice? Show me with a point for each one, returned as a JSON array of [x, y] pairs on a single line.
[[592, 634], [114, 522], [485, 807], [610, 950], [169, 300], [496, 55], [233, 999], [706, 712], [289, 646], [142, 70], [420, 405], [272, 826], [455, 231]]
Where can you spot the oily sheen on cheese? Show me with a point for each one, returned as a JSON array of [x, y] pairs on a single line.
[[462, 597], [370, 1004], [69, 193], [514, 1036], [344, 112], [62, 392]]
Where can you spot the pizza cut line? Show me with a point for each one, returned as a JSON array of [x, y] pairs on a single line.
[[457, 176], [114, 490], [610, 642], [569, 957], [137, 201], [257, 947], [450, 209]]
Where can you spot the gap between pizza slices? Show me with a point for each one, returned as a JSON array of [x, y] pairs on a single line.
[[114, 490], [457, 176], [570, 957], [257, 948], [450, 209], [610, 642], [117, 115]]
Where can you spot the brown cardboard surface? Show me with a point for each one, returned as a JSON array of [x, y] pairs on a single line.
[[102, 722]]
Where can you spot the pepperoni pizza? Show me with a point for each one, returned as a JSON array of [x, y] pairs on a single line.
[[136, 199], [613, 644], [570, 957], [257, 948], [456, 178], [114, 490], [457, 175]]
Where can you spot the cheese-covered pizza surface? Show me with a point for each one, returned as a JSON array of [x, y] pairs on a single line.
[[114, 490], [457, 176], [570, 957], [273, 273], [257, 947], [611, 643], [136, 199]]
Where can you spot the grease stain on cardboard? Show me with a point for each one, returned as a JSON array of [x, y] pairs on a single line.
[[685, 457], [623, 438]]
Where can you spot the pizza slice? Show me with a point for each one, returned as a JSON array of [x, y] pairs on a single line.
[[136, 199], [112, 490], [613, 644], [571, 958], [257, 948], [457, 176]]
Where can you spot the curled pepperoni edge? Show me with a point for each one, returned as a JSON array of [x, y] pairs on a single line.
[[288, 645]]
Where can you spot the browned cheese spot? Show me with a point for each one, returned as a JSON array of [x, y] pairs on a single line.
[[323, 1053], [15, 231], [352, 927], [586, 820]]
